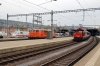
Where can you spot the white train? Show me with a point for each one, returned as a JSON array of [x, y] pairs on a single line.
[[3, 34], [18, 34]]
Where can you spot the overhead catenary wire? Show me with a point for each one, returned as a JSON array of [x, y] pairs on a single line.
[[16, 5], [36, 5], [89, 7], [45, 2], [55, 12], [64, 16], [81, 6], [86, 12], [83, 11], [28, 5], [57, 5], [42, 7], [86, 3], [69, 18]]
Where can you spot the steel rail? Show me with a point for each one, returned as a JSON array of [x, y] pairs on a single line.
[[68, 60], [31, 53]]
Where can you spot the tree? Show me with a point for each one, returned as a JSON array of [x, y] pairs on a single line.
[[47, 27]]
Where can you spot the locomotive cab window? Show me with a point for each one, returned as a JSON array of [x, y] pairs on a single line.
[[37, 30], [21, 32], [30, 30], [83, 33]]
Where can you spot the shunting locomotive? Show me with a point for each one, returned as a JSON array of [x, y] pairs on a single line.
[[39, 33], [81, 34]]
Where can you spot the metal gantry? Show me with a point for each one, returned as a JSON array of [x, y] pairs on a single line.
[[55, 12], [37, 20], [52, 12]]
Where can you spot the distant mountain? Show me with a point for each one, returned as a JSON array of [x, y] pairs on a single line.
[[14, 23]]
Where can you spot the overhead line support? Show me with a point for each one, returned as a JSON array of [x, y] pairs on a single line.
[[55, 12]]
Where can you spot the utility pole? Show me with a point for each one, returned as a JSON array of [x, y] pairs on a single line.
[[33, 21], [83, 15], [73, 26], [26, 23], [59, 28], [7, 27], [52, 21], [17, 24], [37, 21], [41, 22]]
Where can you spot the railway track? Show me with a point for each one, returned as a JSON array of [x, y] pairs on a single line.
[[59, 55], [71, 58], [26, 53]]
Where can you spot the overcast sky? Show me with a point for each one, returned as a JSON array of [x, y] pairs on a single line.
[[22, 7]]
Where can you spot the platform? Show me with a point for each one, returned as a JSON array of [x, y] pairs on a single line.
[[17, 39], [91, 59], [12, 46], [12, 39]]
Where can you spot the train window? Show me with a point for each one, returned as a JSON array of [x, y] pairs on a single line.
[[30, 30], [88, 33], [33, 30], [21, 32], [80, 31], [37, 31], [83, 33]]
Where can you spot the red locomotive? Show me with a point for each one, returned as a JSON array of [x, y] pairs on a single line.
[[38, 33], [80, 34]]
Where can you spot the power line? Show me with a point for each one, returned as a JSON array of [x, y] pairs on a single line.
[[86, 3], [81, 15], [80, 4], [64, 16], [39, 6], [15, 5], [88, 6], [46, 2], [57, 5], [82, 7], [27, 5], [86, 12], [55, 12], [83, 11], [68, 18], [36, 5]]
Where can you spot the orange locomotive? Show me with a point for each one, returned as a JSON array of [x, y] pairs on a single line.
[[38, 33], [80, 34]]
